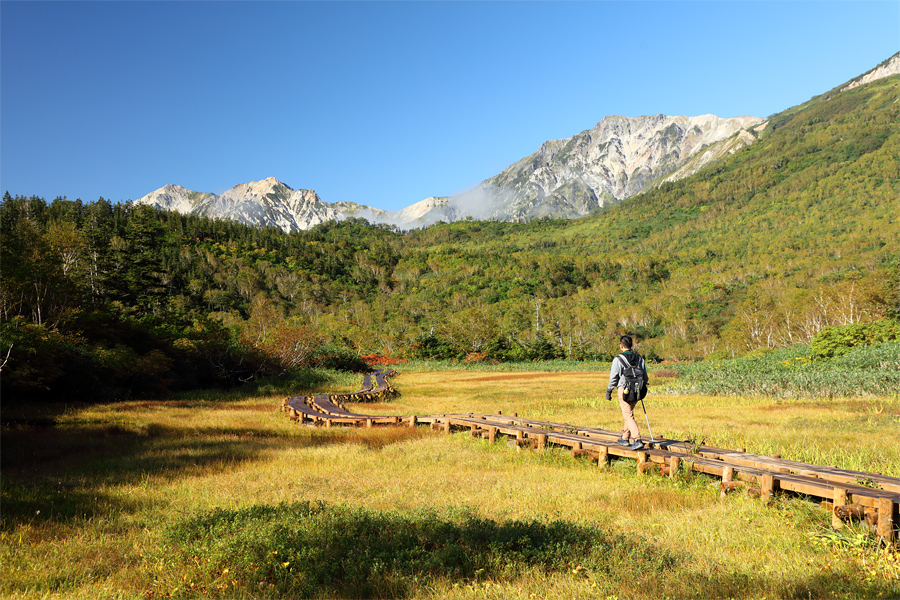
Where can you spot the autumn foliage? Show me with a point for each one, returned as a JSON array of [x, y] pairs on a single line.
[[381, 360], [292, 346]]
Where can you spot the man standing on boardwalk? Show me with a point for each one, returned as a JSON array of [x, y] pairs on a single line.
[[628, 359]]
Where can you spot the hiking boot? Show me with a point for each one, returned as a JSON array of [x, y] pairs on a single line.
[[637, 445], [623, 442]]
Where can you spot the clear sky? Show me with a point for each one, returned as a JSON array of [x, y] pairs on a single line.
[[384, 103]]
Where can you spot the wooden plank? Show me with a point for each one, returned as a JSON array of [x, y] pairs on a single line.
[[810, 488], [828, 473]]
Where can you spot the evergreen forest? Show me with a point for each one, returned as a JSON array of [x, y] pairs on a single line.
[[765, 249]]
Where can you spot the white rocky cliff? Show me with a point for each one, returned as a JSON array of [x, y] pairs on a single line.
[[889, 67]]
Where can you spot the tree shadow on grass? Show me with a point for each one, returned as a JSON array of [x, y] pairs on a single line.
[[58, 473], [314, 550]]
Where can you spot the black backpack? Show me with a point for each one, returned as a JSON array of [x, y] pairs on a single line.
[[634, 378]]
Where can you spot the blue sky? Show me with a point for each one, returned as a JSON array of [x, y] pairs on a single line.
[[384, 103]]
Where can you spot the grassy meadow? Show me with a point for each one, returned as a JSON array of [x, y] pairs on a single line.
[[222, 496]]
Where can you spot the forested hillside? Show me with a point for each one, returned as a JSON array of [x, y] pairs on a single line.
[[763, 249]]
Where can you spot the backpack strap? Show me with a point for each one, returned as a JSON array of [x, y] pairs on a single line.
[[627, 363]]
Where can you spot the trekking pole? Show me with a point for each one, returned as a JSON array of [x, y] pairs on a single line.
[[652, 439]]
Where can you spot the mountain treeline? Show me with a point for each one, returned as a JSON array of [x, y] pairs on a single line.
[[763, 249]]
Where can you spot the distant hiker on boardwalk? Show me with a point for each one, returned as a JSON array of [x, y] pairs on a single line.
[[628, 374]]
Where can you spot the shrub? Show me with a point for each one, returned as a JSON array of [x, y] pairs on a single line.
[[839, 340], [474, 358], [432, 346], [292, 347], [339, 359], [44, 364], [114, 356]]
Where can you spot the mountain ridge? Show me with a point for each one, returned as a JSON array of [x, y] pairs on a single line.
[[565, 178]]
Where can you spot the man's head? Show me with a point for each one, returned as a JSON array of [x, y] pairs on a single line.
[[625, 342]]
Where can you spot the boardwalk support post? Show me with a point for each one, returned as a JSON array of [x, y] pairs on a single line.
[[603, 457], [575, 449], [767, 484], [674, 465], [886, 520], [727, 478], [840, 499], [641, 462]]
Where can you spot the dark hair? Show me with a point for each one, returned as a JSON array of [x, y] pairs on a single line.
[[625, 342]]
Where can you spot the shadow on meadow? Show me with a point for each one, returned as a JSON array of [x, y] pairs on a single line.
[[59, 473], [312, 550], [316, 550]]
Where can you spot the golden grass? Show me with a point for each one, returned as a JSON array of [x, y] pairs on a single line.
[[86, 501]]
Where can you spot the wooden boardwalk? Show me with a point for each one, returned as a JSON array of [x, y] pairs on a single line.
[[868, 497]]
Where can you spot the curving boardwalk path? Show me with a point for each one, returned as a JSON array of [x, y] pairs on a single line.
[[869, 497]]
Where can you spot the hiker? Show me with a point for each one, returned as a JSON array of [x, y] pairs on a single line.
[[633, 363]]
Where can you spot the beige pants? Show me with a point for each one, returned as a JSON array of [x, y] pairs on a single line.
[[630, 432]]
